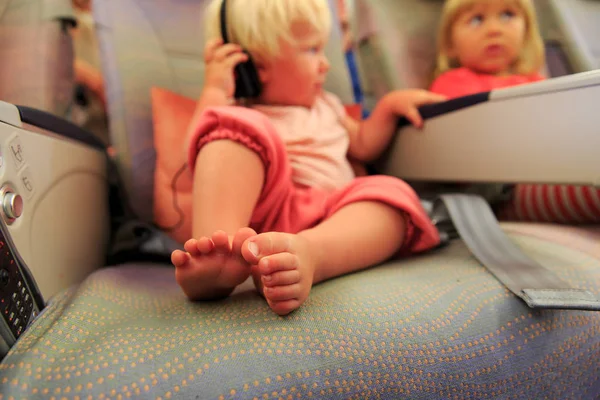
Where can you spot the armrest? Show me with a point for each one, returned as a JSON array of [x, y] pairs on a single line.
[[433, 110], [63, 176], [57, 125], [545, 132]]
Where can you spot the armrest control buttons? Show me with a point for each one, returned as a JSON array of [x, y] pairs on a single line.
[[16, 149], [11, 204]]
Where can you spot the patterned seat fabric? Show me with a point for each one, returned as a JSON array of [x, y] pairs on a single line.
[[432, 327]]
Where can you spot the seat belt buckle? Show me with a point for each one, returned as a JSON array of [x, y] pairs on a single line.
[[443, 223]]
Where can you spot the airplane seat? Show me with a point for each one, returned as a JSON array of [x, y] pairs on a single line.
[[436, 325], [37, 54]]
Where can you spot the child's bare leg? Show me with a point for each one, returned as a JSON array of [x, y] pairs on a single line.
[[228, 180], [358, 236]]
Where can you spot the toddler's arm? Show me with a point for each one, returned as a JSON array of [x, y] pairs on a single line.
[[219, 83], [369, 138]]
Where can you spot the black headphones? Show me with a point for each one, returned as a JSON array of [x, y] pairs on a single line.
[[247, 82]]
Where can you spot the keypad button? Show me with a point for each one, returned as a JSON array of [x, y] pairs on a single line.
[[4, 277], [17, 321]]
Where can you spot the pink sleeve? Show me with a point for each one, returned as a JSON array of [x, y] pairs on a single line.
[[242, 125]]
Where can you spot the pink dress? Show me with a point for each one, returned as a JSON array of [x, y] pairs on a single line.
[[307, 175], [462, 82]]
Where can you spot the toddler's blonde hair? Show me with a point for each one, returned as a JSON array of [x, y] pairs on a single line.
[[259, 25], [532, 57]]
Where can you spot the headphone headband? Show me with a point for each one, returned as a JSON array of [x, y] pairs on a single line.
[[224, 21], [247, 81]]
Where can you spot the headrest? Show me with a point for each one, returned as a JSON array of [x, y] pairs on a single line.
[[145, 44], [37, 54]]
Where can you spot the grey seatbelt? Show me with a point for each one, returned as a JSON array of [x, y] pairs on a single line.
[[473, 219]]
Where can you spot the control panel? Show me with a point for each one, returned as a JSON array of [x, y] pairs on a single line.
[[53, 194], [20, 301]]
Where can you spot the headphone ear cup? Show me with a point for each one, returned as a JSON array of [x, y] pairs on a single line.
[[247, 81]]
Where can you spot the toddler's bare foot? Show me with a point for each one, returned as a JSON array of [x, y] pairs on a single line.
[[212, 267], [284, 270]]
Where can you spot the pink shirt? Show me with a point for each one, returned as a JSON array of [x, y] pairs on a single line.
[[316, 141], [463, 81]]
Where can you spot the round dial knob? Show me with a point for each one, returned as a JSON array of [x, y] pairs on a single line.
[[12, 205]]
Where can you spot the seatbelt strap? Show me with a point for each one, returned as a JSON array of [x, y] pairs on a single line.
[[477, 225]]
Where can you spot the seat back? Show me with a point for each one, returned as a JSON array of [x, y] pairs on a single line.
[[160, 43], [37, 54], [572, 27], [396, 40]]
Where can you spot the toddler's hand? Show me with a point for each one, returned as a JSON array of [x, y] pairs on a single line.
[[220, 60], [407, 102]]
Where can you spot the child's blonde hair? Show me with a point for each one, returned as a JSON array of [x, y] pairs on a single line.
[[532, 57], [259, 25]]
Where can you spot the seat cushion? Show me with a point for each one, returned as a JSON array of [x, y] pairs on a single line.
[[434, 326]]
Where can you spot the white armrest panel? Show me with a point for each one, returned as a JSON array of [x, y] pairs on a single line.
[[546, 132]]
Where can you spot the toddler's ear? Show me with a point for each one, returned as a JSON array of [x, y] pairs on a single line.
[[264, 73], [450, 53]]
